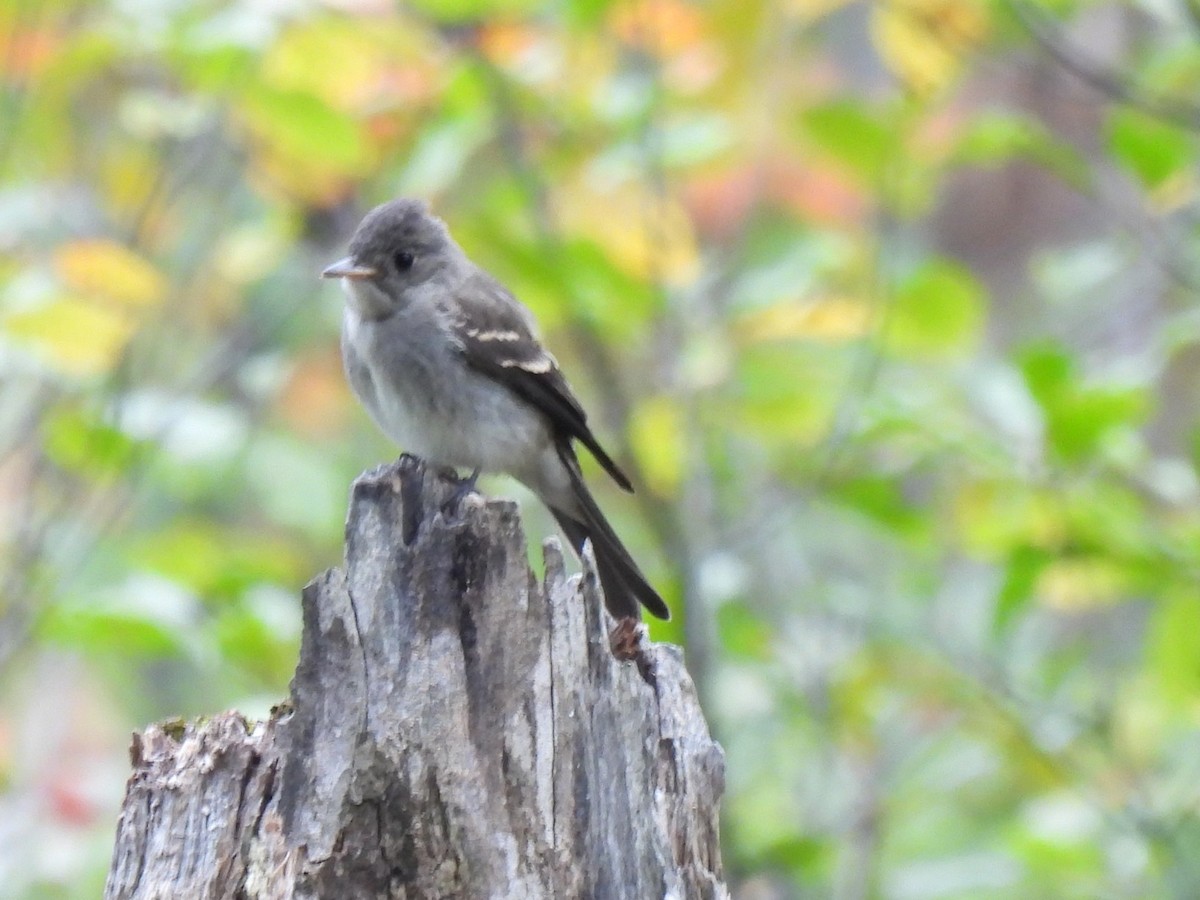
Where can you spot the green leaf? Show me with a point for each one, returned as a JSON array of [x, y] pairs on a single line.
[[143, 614], [103, 631], [794, 852], [216, 560], [587, 13], [994, 139], [1193, 445], [881, 499], [1078, 423], [216, 67], [472, 10], [303, 127], [854, 134], [603, 293], [658, 436], [258, 642], [743, 634], [1048, 370], [1173, 649], [1152, 149], [937, 311], [784, 395], [1078, 416], [76, 441], [1020, 577]]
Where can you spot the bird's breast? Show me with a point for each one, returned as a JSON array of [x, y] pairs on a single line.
[[421, 394]]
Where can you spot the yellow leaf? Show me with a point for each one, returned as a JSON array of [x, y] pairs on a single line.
[[812, 10], [828, 319], [105, 269], [990, 518], [125, 179], [381, 62], [1078, 584], [281, 177], [247, 252], [78, 337], [923, 41], [1174, 193], [656, 431], [647, 236], [1143, 714]]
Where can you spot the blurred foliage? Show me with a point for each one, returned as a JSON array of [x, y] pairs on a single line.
[[890, 306]]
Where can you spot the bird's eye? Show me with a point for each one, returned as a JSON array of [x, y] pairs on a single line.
[[403, 260]]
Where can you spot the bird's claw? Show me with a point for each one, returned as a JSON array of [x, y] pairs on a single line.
[[462, 488], [625, 640]]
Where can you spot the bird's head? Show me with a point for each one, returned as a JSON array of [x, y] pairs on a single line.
[[398, 246]]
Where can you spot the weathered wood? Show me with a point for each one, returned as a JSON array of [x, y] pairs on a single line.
[[455, 729]]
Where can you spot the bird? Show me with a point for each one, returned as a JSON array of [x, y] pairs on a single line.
[[448, 364]]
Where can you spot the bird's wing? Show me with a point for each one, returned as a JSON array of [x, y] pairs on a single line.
[[624, 584], [496, 337]]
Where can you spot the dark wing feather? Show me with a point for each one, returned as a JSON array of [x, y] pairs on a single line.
[[624, 584], [497, 339]]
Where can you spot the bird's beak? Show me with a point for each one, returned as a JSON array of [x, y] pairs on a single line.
[[348, 268]]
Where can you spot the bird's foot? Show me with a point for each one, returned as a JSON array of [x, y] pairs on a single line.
[[625, 640], [409, 459], [462, 488]]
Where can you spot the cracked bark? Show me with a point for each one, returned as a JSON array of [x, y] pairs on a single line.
[[455, 729]]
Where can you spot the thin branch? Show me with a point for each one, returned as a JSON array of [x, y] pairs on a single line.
[[1112, 84]]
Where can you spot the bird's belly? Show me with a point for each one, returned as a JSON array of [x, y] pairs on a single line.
[[447, 414], [469, 424]]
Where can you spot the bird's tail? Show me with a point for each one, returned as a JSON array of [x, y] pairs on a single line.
[[624, 584]]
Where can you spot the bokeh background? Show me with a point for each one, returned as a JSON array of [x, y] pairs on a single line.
[[889, 307]]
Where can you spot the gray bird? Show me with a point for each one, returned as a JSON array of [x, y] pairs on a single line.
[[446, 361]]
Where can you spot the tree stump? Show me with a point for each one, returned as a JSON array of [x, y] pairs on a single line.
[[455, 730]]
